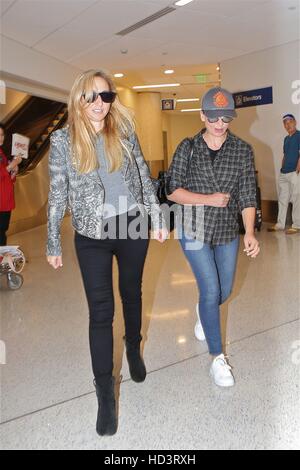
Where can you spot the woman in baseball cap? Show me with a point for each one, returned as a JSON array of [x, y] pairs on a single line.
[[212, 177]]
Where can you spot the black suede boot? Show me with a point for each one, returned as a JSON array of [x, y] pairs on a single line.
[[107, 417], [136, 364]]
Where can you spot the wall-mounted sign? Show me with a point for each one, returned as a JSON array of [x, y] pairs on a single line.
[[168, 105], [244, 99]]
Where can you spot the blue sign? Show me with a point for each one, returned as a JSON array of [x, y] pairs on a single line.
[[244, 99]]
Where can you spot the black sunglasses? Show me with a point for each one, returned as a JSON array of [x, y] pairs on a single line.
[[225, 119], [106, 96]]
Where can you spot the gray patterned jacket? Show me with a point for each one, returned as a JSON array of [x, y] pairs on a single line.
[[83, 194]]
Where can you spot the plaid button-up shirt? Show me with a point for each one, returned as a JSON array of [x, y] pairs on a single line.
[[232, 171]]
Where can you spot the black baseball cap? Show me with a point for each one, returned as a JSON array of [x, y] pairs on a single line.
[[218, 102]]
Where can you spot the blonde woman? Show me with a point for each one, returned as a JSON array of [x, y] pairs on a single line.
[[98, 170]]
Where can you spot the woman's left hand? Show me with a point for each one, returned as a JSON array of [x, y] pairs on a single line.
[[251, 245], [14, 172], [161, 235]]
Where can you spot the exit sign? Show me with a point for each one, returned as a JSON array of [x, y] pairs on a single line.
[[201, 78]]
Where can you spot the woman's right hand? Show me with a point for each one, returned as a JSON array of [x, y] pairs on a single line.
[[55, 261], [218, 199], [161, 235]]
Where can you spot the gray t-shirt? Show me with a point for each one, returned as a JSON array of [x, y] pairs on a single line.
[[118, 198]]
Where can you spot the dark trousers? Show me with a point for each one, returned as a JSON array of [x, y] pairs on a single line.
[[96, 262], [4, 225]]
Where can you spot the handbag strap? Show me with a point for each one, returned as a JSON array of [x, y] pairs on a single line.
[[192, 142]]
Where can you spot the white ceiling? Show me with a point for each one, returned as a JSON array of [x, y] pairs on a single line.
[[83, 33]]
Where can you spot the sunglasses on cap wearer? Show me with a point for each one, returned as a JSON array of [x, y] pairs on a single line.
[[225, 119], [106, 96]]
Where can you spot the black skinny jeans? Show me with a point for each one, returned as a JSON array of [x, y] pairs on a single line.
[[4, 225], [96, 262]]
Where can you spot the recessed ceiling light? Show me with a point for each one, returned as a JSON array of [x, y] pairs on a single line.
[[188, 100], [181, 340], [182, 3], [169, 72], [163, 85], [119, 75]]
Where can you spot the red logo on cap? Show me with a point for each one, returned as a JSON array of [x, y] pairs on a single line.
[[220, 100]]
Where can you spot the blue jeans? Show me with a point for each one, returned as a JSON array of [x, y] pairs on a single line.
[[214, 268]]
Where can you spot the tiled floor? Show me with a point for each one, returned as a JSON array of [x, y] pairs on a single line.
[[47, 395]]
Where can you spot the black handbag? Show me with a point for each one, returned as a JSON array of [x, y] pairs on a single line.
[[162, 190]]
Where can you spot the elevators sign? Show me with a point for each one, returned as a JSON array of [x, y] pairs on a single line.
[[258, 97], [168, 105]]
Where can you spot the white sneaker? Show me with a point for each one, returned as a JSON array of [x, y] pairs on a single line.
[[221, 372], [199, 333]]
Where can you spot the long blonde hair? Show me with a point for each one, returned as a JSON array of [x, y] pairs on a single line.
[[118, 124]]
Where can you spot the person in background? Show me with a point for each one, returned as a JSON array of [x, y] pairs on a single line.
[[216, 173], [8, 172], [289, 179]]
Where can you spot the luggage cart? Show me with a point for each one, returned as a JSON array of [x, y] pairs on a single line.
[[12, 262]]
